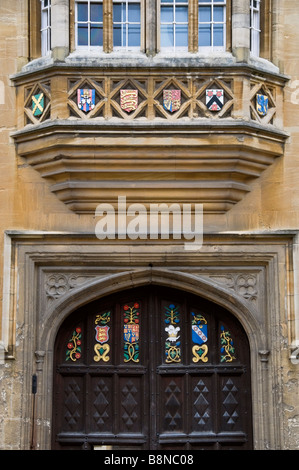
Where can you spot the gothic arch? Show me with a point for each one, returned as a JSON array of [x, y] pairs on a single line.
[[190, 283], [169, 278]]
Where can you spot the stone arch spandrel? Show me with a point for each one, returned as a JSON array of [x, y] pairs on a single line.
[[113, 283]]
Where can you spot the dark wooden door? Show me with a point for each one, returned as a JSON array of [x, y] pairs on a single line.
[[152, 368]]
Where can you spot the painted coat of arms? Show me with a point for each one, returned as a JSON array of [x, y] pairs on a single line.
[[38, 103], [199, 334], [171, 100], [86, 99], [131, 333], [102, 334], [262, 104], [129, 100], [199, 338], [214, 99]]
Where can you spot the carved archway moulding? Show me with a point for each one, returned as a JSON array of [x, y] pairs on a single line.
[[117, 282], [238, 271]]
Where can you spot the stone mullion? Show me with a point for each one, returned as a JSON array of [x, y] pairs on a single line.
[[107, 26], [72, 26], [193, 26], [228, 39], [35, 26], [266, 34], [60, 29], [150, 29], [241, 30]]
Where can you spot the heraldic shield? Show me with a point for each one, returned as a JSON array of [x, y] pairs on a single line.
[[131, 333], [199, 334], [38, 103], [171, 100], [214, 99], [129, 100], [262, 104], [86, 99], [102, 334]]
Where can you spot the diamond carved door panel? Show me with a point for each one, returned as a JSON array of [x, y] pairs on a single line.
[[155, 368]]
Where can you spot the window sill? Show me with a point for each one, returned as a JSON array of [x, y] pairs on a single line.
[[138, 59]]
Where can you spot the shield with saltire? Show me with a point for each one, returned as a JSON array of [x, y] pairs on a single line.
[[38, 103]]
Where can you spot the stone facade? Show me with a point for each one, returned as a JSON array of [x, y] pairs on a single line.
[[57, 167]]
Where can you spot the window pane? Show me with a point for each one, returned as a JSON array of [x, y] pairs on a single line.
[[181, 35], [218, 14], [45, 22], [82, 12], [96, 35], [218, 35], [44, 38], [204, 35], [134, 35], [117, 35], [117, 13], [181, 14], [166, 14], [82, 35], [204, 14], [134, 13], [167, 36], [96, 12]]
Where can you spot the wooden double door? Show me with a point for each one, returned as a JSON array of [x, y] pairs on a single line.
[[152, 368]]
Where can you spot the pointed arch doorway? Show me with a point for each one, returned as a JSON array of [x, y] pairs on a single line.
[[152, 368]]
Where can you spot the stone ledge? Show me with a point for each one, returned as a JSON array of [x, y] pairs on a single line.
[[88, 162]]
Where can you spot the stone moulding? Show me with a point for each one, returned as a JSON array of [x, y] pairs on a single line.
[[86, 163], [250, 274], [243, 264]]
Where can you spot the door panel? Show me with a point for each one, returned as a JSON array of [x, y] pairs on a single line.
[[154, 368]]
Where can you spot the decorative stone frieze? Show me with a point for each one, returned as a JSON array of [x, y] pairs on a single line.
[[58, 284], [194, 152], [243, 284]]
